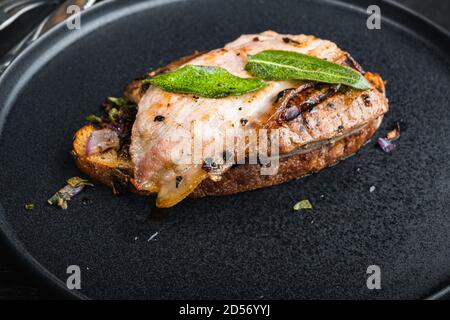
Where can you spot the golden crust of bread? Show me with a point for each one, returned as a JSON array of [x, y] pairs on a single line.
[[112, 170], [108, 167]]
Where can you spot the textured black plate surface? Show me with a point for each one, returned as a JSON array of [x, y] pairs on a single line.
[[249, 245]]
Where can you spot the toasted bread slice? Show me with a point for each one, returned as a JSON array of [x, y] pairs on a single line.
[[348, 119], [108, 167], [114, 170]]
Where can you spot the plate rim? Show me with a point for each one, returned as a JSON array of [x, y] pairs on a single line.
[[7, 234]]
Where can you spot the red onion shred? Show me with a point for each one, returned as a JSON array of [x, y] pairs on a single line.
[[102, 140], [386, 145]]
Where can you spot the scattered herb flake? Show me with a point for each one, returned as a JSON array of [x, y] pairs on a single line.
[[113, 114], [74, 186], [76, 182], [303, 205], [58, 200], [94, 119], [118, 101], [29, 207]]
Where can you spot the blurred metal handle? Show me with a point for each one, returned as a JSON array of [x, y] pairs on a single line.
[[58, 16], [11, 10]]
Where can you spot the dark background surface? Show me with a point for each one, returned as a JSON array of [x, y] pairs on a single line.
[[15, 282]]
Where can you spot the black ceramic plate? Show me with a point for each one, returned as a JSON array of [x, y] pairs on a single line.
[[250, 245]]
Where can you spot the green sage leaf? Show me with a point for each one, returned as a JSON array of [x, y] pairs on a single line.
[[289, 65], [209, 82]]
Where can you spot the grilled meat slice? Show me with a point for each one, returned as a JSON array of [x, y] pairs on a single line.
[[306, 114]]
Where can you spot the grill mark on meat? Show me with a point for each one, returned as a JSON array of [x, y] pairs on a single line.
[[283, 94], [304, 100], [282, 102], [352, 63]]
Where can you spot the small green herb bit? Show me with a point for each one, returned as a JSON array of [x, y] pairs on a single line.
[[113, 114], [93, 119], [209, 82], [289, 65], [118, 101], [58, 200], [29, 207], [76, 182], [303, 205]]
